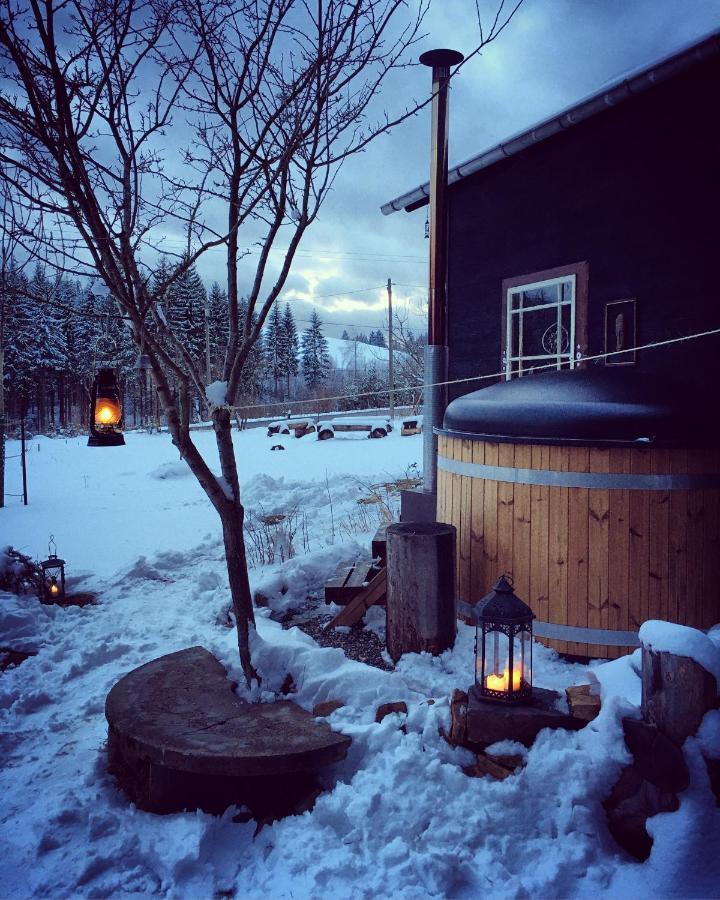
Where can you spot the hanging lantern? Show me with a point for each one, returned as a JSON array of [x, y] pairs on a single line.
[[503, 646], [427, 227], [106, 423], [53, 575]]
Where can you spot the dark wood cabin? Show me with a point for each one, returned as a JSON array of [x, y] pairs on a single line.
[[598, 227]]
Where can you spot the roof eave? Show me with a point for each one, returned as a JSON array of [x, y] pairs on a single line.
[[617, 93]]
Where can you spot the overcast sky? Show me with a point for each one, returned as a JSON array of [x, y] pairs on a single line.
[[552, 54]]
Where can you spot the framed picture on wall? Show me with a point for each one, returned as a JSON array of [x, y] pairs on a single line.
[[620, 333]]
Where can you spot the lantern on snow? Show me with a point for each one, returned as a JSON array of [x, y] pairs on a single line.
[[53, 575], [503, 646], [106, 420]]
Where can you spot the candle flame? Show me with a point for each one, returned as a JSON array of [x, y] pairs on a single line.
[[502, 682], [107, 411]]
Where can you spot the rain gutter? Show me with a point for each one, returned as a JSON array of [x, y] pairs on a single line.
[[621, 90]]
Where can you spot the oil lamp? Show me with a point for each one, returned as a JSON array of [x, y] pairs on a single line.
[[53, 575], [106, 421], [503, 646]]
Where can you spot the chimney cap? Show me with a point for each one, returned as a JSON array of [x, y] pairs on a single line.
[[441, 57]]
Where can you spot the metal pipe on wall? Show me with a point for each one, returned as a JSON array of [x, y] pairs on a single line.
[[436, 354]]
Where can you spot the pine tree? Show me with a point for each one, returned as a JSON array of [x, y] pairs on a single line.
[[49, 350], [218, 327], [290, 346], [345, 335], [255, 370], [83, 330], [316, 362], [272, 344], [186, 313], [20, 367]]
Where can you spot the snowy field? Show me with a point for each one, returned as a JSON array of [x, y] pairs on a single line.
[[399, 818]]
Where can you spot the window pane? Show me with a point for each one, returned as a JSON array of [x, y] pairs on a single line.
[[540, 332], [543, 295]]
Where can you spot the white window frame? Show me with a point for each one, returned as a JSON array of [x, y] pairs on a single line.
[[563, 360]]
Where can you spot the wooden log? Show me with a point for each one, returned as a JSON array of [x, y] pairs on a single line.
[[676, 693], [421, 597], [358, 606]]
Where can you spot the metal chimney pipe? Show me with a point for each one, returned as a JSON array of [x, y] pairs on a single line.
[[436, 352]]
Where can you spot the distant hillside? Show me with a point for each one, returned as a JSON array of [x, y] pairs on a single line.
[[343, 354]]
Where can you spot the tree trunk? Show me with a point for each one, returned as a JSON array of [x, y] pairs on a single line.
[[234, 540], [676, 693], [421, 607], [41, 405], [232, 516]]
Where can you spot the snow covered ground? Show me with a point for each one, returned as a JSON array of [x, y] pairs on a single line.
[[399, 818]]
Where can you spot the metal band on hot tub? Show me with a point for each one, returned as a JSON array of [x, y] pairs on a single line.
[[579, 635], [593, 480]]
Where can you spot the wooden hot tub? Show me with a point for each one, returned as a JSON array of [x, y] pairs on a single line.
[[598, 492]]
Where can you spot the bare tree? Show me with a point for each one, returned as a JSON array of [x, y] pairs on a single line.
[[98, 98]]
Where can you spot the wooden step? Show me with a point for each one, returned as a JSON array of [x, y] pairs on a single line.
[[348, 581]]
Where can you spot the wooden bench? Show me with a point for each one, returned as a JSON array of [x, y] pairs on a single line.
[[376, 428], [180, 738]]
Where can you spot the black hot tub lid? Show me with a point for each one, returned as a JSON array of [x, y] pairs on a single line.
[[595, 406]]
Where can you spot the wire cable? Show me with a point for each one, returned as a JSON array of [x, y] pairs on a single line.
[[598, 356]]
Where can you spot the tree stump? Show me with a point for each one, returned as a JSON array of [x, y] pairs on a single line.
[[421, 603], [676, 693]]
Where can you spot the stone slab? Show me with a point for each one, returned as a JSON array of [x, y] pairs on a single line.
[[180, 712], [489, 722]]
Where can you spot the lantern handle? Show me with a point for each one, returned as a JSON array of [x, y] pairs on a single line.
[[52, 547]]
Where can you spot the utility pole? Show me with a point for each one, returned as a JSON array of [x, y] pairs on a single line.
[[391, 374]]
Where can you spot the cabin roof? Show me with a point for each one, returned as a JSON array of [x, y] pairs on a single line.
[[623, 88]]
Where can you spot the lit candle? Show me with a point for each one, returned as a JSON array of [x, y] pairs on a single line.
[[502, 682]]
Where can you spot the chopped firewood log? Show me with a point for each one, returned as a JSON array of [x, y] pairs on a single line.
[[584, 701], [358, 606], [483, 765]]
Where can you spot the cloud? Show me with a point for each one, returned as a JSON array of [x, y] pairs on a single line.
[[551, 55]]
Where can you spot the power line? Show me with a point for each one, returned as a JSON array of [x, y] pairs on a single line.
[[651, 346]]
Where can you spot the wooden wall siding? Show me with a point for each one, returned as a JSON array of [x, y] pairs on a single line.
[[592, 558], [591, 193]]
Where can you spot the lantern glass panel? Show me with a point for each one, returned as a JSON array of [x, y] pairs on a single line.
[[525, 643], [107, 411]]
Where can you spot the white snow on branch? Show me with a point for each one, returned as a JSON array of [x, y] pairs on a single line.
[[216, 393], [668, 637], [226, 487]]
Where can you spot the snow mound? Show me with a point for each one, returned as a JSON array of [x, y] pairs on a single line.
[[168, 470], [23, 621], [681, 640]]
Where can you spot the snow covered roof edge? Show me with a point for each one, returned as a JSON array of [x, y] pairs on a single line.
[[624, 87]]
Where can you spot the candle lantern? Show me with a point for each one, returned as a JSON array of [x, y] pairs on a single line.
[[106, 422], [503, 646], [53, 575]]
